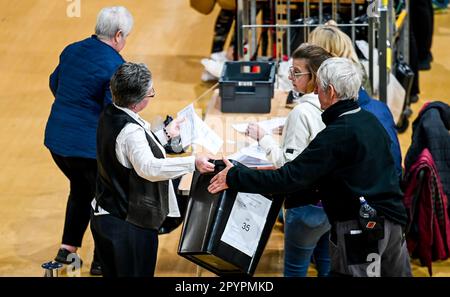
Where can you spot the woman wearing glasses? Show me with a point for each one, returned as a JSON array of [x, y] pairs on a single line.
[[306, 225], [134, 193]]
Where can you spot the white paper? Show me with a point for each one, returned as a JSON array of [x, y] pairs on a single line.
[[251, 156], [246, 222], [194, 130], [187, 128], [267, 125], [241, 127], [254, 151], [206, 137], [249, 161], [254, 162], [271, 124], [395, 97], [395, 91], [236, 156], [363, 46]]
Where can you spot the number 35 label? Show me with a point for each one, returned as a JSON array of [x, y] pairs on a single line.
[[246, 222]]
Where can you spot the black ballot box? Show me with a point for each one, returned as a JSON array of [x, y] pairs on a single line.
[[226, 233], [247, 86]]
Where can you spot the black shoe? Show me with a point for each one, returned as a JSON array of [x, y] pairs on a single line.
[[424, 65], [96, 268], [414, 98], [62, 257]]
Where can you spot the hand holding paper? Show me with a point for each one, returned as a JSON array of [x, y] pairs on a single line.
[[194, 130], [173, 129], [278, 130], [268, 126], [255, 131]]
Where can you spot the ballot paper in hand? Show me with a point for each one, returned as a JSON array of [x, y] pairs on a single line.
[[267, 125], [194, 130], [187, 132], [241, 127]]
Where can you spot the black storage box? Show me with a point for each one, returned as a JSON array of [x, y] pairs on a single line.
[[247, 87], [205, 228]]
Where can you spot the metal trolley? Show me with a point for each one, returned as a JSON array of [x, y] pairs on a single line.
[[387, 31]]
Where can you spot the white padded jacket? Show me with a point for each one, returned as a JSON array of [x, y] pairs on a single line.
[[302, 125]]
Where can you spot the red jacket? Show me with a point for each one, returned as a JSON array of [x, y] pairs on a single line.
[[429, 234]]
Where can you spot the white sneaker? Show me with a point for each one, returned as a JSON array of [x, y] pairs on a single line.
[[213, 67], [206, 76], [219, 56]]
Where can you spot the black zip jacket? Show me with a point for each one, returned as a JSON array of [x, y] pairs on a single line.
[[348, 159]]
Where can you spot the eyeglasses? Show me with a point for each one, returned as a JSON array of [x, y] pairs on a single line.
[[152, 93], [293, 74]]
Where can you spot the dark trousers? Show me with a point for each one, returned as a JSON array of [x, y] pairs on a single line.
[[124, 249], [352, 255], [421, 37], [222, 27], [422, 23], [82, 174]]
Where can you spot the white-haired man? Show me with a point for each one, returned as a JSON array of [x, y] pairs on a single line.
[[350, 158]]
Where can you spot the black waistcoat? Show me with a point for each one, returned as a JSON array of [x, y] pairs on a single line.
[[120, 191]]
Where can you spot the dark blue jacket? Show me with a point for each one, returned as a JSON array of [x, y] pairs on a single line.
[[80, 84], [384, 115]]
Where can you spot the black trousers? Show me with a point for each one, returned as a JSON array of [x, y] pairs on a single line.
[[422, 23], [421, 37], [222, 27], [82, 174], [124, 249]]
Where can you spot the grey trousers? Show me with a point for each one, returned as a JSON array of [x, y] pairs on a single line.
[[352, 255]]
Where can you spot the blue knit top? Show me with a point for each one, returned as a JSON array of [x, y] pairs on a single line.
[[80, 84]]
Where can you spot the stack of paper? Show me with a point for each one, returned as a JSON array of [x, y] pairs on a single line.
[[251, 156]]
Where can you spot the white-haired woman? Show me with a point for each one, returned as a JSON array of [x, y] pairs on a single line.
[[80, 85], [135, 193]]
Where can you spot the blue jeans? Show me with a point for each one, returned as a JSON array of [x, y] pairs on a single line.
[[306, 232]]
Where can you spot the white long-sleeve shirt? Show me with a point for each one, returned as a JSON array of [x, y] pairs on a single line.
[[302, 125], [133, 151]]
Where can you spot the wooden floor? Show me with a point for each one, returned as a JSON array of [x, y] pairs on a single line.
[[171, 39]]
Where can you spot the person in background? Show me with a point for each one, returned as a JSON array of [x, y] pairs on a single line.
[[421, 38], [423, 31], [80, 85], [222, 28], [339, 44], [347, 160], [135, 193], [306, 224]]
